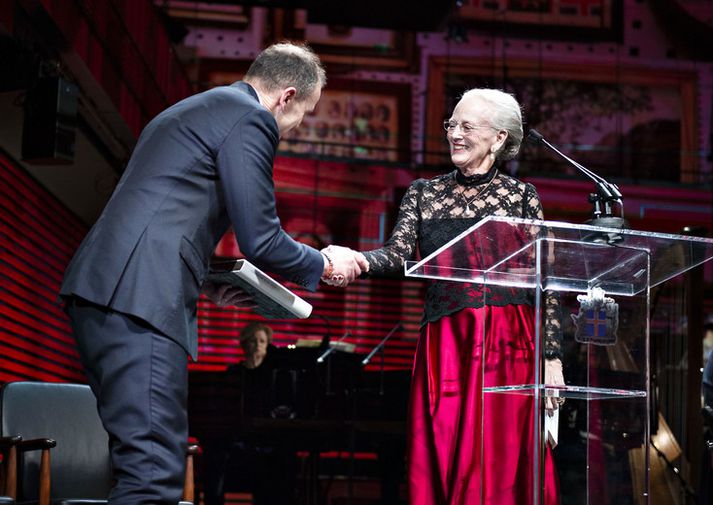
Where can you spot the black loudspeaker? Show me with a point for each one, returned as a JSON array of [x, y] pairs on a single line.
[[48, 133]]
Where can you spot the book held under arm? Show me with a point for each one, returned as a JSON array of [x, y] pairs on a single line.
[[274, 301]]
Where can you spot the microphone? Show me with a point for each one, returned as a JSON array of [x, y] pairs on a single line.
[[607, 192], [324, 344], [332, 347], [376, 349]]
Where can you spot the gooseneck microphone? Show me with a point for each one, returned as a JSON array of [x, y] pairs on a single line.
[[607, 193], [380, 346], [331, 348]]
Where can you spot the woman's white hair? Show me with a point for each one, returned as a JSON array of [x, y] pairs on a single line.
[[504, 114]]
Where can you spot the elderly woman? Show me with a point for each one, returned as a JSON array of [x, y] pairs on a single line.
[[449, 462]]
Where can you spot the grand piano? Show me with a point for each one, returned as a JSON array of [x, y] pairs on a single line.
[[302, 405]]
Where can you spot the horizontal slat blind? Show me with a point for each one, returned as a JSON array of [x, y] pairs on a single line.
[[37, 239]]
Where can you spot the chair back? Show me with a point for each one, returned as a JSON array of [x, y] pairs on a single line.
[[67, 413]]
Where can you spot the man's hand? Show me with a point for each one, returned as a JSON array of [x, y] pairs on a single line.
[[225, 294], [342, 265]]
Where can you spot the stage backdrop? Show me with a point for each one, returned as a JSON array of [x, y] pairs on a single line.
[[38, 237], [320, 202]]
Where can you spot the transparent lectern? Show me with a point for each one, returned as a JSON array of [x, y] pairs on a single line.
[[601, 437]]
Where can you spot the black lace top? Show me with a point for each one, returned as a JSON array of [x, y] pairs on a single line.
[[433, 212]]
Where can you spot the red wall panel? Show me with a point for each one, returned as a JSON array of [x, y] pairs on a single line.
[[37, 238]]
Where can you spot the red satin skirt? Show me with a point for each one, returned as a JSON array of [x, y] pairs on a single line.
[[449, 463]]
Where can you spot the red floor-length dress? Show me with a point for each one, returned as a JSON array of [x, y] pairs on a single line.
[[445, 420]]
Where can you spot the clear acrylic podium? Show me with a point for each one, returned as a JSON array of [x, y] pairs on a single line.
[[602, 451]]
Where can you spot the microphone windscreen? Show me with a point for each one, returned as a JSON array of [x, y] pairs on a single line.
[[534, 137]]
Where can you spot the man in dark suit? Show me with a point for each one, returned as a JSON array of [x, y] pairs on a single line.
[[132, 287]]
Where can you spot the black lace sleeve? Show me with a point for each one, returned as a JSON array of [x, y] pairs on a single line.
[[532, 209], [401, 246]]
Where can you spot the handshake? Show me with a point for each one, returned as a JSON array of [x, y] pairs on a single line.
[[342, 265]]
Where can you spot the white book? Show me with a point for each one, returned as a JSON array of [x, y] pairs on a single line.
[[274, 301]]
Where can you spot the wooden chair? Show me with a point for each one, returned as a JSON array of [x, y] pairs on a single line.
[[78, 469], [10, 447]]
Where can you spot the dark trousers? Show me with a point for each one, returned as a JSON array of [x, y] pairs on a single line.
[[140, 379]]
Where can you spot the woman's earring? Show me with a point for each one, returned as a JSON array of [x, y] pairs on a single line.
[[492, 153]]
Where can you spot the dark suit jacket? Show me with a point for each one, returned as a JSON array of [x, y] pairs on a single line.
[[199, 166]]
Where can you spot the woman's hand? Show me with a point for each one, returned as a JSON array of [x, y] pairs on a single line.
[[553, 377], [345, 265]]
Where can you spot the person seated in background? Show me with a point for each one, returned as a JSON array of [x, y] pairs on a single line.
[[706, 489], [259, 378], [707, 390], [258, 466]]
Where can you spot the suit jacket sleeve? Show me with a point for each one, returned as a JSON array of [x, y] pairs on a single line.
[[244, 164]]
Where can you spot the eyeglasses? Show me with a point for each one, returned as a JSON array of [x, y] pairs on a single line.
[[449, 125]]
